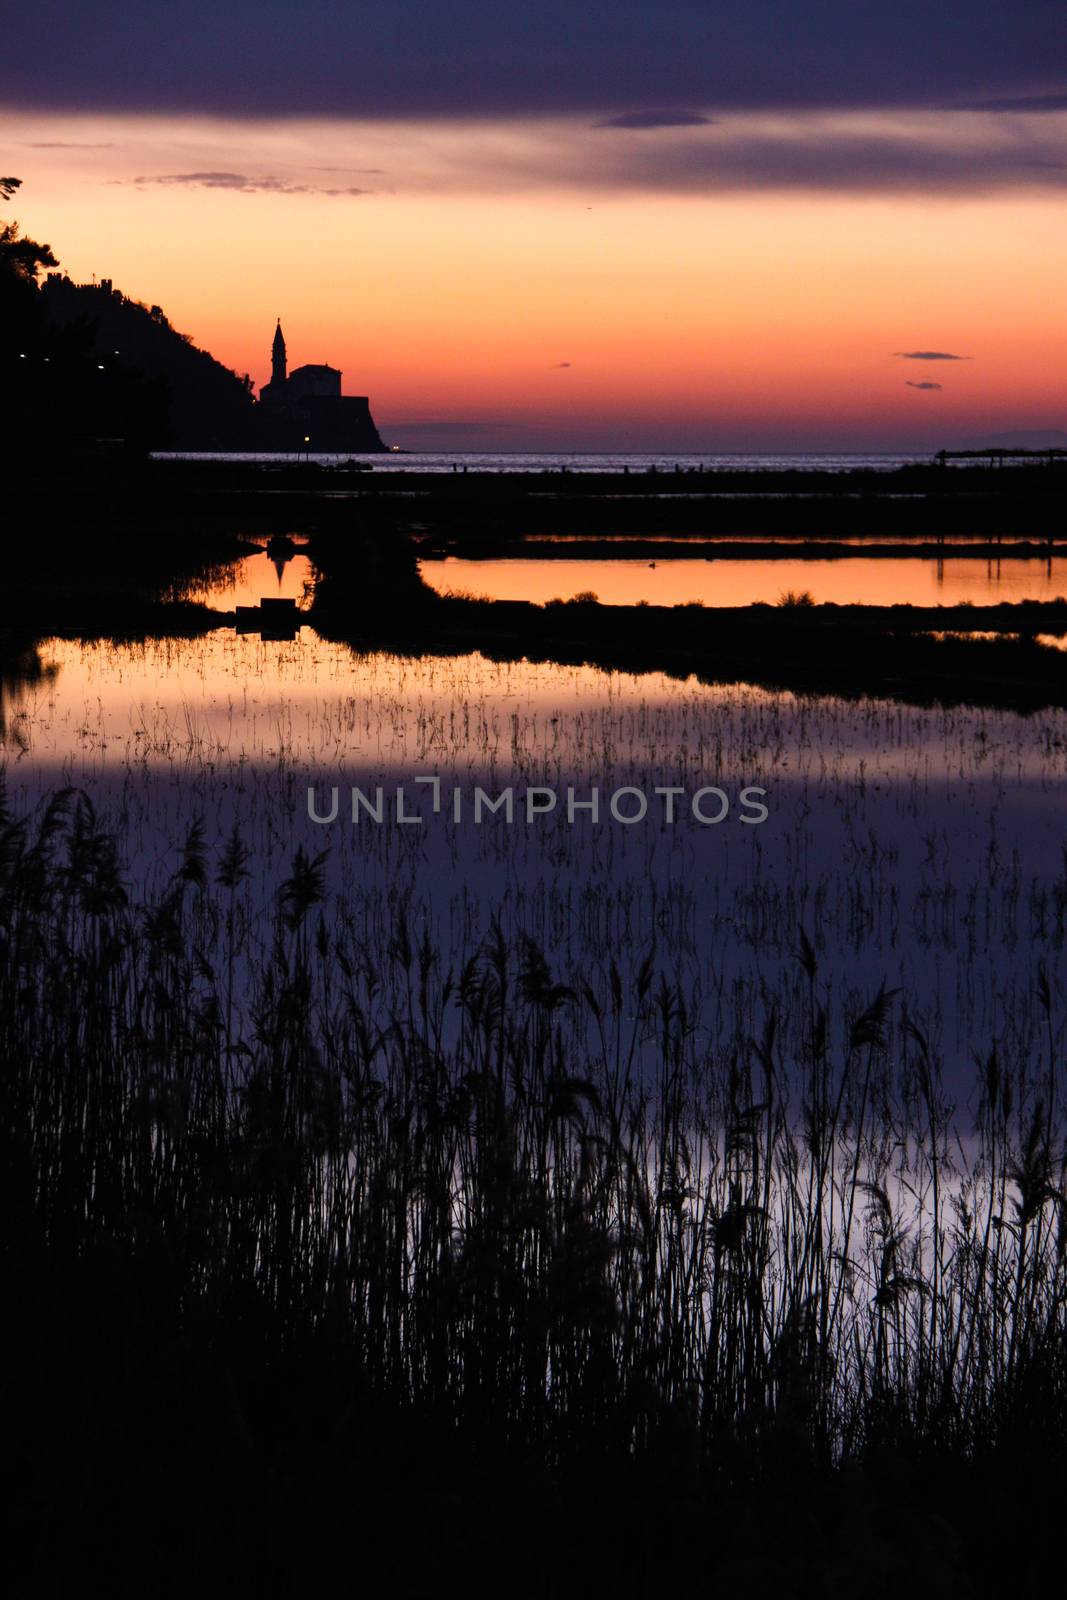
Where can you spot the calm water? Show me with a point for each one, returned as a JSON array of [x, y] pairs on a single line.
[[256, 578], [729, 582], [922, 848], [849, 580], [554, 461]]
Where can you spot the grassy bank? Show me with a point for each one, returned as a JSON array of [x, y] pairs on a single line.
[[370, 595]]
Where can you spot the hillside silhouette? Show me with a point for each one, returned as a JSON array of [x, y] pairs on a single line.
[[207, 405], [87, 369], [84, 367]]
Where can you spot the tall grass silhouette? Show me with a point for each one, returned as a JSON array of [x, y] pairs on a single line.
[[461, 1180]]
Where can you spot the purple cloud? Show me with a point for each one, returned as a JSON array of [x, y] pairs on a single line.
[[239, 181], [657, 119], [1024, 105], [476, 58]]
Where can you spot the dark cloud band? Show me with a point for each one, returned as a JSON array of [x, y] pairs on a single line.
[[471, 58], [641, 120], [1026, 105]]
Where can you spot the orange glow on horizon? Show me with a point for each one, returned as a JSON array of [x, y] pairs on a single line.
[[761, 316]]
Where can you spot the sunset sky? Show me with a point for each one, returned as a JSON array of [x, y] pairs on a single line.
[[761, 225]]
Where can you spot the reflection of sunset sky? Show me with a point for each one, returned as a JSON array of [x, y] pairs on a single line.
[[256, 578], [895, 581], [214, 708], [227, 697], [869, 799]]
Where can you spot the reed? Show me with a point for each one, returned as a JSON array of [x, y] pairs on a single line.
[[472, 1178]]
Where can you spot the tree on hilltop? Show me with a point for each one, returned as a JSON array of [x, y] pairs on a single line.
[[21, 260]]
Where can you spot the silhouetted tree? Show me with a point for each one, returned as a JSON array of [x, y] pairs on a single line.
[[21, 259], [22, 324]]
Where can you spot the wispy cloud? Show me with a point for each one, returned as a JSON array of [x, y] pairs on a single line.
[[559, 364], [930, 355], [657, 119], [925, 385], [920, 153], [929, 153], [64, 144], [906, 154], [1022, 105], [239, 181]]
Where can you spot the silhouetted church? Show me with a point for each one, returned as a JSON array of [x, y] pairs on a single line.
[[305, 408]]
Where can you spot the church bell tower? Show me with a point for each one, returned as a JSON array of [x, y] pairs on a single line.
[[277, 358]]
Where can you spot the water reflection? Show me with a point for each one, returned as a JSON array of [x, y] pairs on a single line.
[[21, 670], [854, 580], [923, 847], [278, 571]]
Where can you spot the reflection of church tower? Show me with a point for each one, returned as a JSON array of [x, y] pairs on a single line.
[[277, 356]]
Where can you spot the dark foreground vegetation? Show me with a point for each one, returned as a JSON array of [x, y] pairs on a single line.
[[114, 582], [926, 502], [328, 1266]]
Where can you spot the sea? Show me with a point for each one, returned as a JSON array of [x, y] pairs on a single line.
[[560, 461]]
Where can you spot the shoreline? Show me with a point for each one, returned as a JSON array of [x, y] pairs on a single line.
[[928, 503]]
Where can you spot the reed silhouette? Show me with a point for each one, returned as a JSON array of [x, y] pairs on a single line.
[[324, 1256]]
